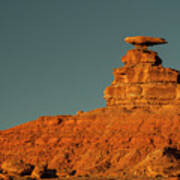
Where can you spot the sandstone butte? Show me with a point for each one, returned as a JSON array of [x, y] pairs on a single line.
[[136, 136]]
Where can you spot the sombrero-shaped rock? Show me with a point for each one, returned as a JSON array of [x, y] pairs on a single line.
[[144, 41]]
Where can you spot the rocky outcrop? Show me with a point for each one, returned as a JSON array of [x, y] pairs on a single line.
[[42, 171], [17, 167], [163, 162], [108, 142], [143, 81], [127, 139]]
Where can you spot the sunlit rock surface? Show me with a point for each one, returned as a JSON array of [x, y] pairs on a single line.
[[136, 136]]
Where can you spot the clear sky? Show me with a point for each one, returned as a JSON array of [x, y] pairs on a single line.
[[57, 56]]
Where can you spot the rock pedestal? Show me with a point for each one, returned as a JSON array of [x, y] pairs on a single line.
[[143, 80]]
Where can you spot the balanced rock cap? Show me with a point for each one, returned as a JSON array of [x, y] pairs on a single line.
[[144, 41]]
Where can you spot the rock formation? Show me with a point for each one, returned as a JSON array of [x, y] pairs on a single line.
[[143, 81], [144, 41], [127, 139]]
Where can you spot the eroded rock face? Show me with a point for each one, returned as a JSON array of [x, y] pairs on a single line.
[[108, 142], [143, 81], [163, 162], [115, 141]]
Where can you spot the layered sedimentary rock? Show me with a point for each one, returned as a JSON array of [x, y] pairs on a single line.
[[143, 80], [114, 142]]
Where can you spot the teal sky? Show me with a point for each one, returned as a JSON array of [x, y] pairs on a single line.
[[57, 56]]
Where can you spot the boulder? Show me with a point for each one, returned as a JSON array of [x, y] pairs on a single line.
[[41, 171], [17, 167], [141, 41]]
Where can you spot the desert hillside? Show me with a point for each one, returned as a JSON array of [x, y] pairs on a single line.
[[136, 136]]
